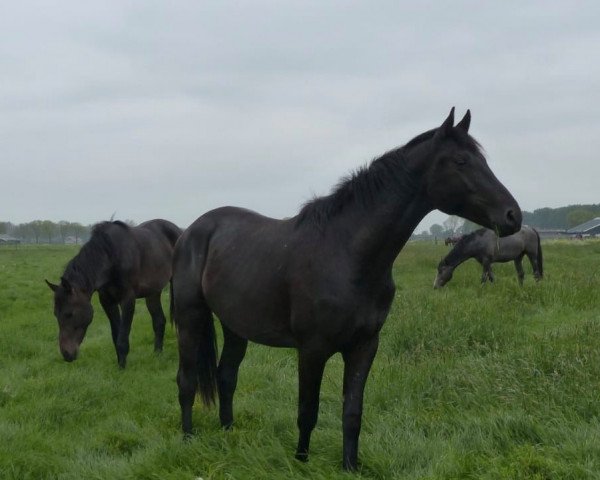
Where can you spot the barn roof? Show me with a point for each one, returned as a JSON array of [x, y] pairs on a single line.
[[7, 238], [586, 227]]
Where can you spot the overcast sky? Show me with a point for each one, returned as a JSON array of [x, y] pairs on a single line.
[[169, 109]]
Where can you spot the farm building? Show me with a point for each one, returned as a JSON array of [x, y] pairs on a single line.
[[591, 227], [8, 240]]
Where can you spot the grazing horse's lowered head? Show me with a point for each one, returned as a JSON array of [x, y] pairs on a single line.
[[74, 312], [121, 263], [459, 182]]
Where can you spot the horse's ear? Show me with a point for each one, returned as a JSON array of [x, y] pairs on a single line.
[[51, 285], [446, 127], [64, 283], [465, 122]]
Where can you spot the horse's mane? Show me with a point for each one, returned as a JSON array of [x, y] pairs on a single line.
[[459, 249], [387, 173], [82, 268]]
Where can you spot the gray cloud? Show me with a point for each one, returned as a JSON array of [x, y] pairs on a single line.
[[149, 109]]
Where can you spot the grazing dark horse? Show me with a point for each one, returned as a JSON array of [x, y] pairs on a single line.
[[320, 282], [452, 240], [122, 263], [484, 246]]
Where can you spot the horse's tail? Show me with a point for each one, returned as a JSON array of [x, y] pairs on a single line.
[[191, 314], [207, 362], [540, 258]]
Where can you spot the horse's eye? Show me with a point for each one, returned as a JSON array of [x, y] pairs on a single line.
[[460, 160]]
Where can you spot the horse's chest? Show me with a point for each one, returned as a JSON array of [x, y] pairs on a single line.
[[361, 316]]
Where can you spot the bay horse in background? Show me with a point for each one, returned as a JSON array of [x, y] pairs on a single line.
[[320, 282], [484, 246], [453, 240], [122, 263]]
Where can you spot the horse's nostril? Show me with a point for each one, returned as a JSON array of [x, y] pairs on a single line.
[[510, 216], [68, 356]]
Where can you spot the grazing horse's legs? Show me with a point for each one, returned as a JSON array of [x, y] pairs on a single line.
[[487, 271], [519, 267], [311, 363], [234, 349], [357, 363], [158, 320], [114, 316], [127, 310], [535, 266]]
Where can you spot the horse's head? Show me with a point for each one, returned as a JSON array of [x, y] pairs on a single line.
[[74, 312], [458, 181], [444, 274]]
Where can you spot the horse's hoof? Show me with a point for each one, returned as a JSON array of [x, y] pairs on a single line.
[[303, 457]]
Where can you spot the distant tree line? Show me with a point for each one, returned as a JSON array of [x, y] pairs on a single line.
[[47, 231], [562, 217]]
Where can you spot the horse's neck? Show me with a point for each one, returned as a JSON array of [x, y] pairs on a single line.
[[87, 275], [382, 232], [459, 254]]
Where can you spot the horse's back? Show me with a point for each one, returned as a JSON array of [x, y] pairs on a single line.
[[156, 241], [236, 253]]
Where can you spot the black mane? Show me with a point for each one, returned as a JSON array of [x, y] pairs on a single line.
[[388, 174], [459, 249], [81, 271]]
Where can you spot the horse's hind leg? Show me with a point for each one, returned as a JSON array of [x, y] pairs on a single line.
[[311, 363], [519, 267], [234, 349], [158, 320], [535, 266]]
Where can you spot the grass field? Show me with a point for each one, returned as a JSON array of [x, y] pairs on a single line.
[[469, 382]]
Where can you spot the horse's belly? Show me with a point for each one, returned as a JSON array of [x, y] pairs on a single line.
[[266, 323]]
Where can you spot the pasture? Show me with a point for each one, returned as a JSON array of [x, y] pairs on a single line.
[[471, 381]]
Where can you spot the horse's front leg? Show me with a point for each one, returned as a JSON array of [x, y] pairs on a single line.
[[111, 308], [311, 363], [127, 310], [357, 363], [487, 271]]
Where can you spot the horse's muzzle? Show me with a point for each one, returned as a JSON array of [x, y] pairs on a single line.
[[68, 355]]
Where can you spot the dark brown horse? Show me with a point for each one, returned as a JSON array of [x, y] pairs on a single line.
[[484, 246], [320, 282], [122, 263], [453, 240]]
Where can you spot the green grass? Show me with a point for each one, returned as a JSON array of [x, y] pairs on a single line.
[[470, 382]]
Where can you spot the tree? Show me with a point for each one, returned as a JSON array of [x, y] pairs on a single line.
[[64, 228], [48, 228], [436, 230], [79, 231], [468, 227], [36, 229], [579, 216], [452, 224]]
